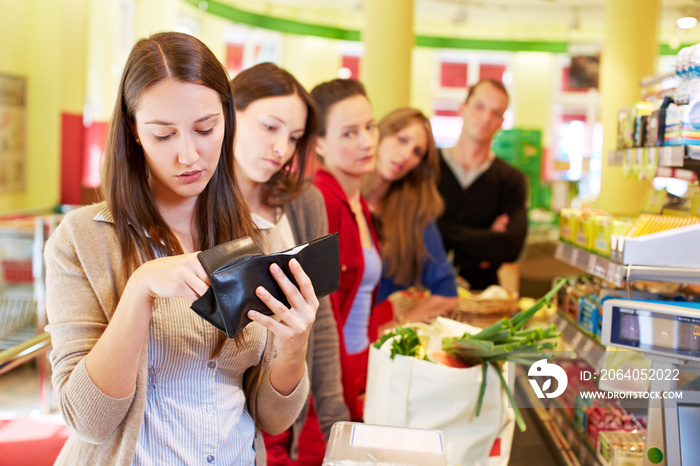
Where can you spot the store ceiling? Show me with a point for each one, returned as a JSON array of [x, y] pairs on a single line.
[[556, 20]]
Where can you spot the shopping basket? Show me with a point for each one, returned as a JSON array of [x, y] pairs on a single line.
[[473, 309]]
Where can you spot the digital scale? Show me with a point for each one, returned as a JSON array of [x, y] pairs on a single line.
[[668, 333]]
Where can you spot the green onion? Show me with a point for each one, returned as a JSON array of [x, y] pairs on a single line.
[[482, 387]]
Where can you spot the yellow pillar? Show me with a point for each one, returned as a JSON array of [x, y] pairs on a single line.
[[423, 79], [630, 50], [533, 81], [44, 51], [385, 68]]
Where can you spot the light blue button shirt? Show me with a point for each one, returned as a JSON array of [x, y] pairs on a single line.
[[195, 408]]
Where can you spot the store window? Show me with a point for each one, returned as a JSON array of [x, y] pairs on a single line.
[[571, 147], [578, 152], [453, 74], [492, 71], [457, 70], [350, 67], [234, 58]]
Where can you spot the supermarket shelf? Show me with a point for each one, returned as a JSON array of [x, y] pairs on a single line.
[[563, 437], [619, 274], [591, 263], [574, 338], [684, 157]]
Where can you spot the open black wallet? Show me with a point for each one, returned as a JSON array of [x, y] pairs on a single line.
[[238, 267]]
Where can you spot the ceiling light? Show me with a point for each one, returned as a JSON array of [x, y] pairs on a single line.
[[687, 22]]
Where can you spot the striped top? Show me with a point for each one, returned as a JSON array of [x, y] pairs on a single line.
[[196, 410], [195, 406]]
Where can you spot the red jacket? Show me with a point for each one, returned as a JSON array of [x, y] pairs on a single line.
[[341, 219]]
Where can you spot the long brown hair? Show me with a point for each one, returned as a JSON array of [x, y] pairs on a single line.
[[410, 204], [331, 92], [221, 213], [268, 80]]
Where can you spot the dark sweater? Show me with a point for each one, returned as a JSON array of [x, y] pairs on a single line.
[[469, 214]]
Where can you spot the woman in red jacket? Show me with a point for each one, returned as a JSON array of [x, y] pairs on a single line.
[[347, 144]]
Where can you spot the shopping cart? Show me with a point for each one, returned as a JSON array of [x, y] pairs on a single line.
[[18, 303], [16, 249], [17, 313]]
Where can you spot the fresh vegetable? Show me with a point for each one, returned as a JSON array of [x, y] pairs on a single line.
[[405, 341], [502, 341], [447, 359]]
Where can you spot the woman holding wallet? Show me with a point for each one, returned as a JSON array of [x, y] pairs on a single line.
[[139, 376], [405, 204], [277, 123], [347, 144]]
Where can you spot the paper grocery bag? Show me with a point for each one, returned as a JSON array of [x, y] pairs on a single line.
[[411, 392]]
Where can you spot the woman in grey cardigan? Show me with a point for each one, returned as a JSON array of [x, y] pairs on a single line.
[[141, 379], [277, 122]]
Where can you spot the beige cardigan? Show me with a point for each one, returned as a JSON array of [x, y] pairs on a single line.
[[84, 281]]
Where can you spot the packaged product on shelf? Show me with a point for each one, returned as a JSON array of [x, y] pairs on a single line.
[[639, 115], [583, 229], [690, 133], [576, 384], [654, 201], [656, 124], [586, 292], [672, 130], [694, 202], [604, 227], [610, 417], [581, 407], [624, 132], [628, 163], [588, 313], [573, 294], [649, 223], [616, 446], [601, 234], [566, 224]]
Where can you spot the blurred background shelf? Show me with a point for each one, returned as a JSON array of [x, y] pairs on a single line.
[[618, 274]]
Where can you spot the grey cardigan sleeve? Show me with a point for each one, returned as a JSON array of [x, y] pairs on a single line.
[[310, 222]]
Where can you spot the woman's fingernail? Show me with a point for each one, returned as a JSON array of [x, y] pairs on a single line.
[[275, 267], [261, 291], [294, 263]]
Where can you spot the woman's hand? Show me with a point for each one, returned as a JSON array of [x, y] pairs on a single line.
[[293, 328], [113, 362], [181, 276]]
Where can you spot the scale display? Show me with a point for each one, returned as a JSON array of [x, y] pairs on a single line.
[[652, 327]]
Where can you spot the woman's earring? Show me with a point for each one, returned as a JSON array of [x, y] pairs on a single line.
[[138, 141]]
